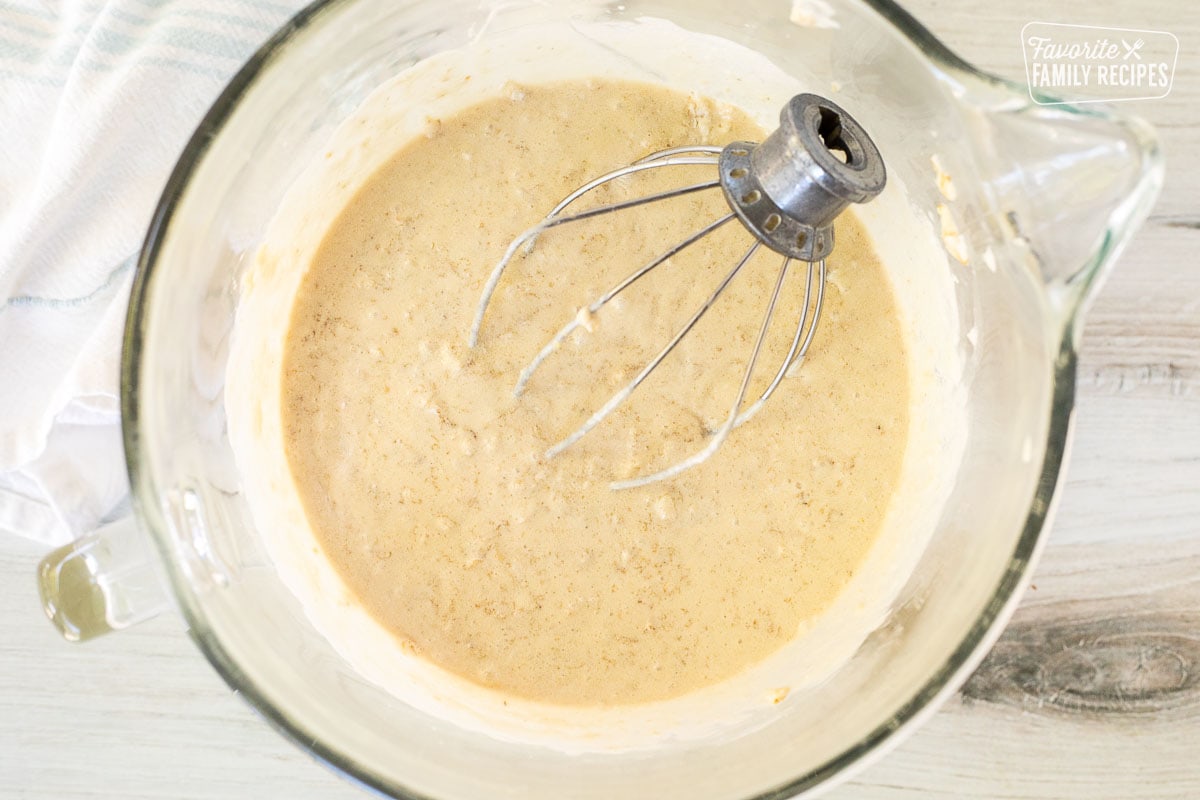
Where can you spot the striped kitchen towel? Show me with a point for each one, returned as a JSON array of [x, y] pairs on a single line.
[[97, 99]]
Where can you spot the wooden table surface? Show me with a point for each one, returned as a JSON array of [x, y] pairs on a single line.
[[1093, 692]]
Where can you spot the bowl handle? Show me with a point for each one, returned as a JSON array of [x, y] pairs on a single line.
[[106, 581]]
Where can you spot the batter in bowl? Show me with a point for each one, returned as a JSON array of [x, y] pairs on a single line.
[[424, 480]]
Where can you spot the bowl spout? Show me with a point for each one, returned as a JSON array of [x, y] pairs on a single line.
[[1074, 184]]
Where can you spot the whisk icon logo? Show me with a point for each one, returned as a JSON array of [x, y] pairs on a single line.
[[1088, 64]]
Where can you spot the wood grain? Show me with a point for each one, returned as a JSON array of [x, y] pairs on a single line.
[[1081, 660], [1093, 692]]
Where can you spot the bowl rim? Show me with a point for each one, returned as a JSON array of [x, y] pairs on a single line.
[[924, 703]]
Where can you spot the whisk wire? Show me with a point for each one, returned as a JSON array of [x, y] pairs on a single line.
[[553, 220], [797, 351], [812, 330], [601, 301], [731, 421], [629, 169], [620, 397], [676, 151]]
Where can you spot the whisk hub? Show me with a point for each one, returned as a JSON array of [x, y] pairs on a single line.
[[789, 189]]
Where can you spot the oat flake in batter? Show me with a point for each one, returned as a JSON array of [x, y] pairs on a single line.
[[424, 479]]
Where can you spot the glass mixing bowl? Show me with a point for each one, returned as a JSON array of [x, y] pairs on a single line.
[[1050, 193]]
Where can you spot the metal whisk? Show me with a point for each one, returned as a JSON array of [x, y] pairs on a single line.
[[786, 191]]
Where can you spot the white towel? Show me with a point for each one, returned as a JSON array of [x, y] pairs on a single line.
[[97, 99]]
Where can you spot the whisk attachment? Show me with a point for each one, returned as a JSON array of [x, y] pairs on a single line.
[[786, 191]]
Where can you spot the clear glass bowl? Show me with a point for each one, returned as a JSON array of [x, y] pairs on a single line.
[[1053, 193]]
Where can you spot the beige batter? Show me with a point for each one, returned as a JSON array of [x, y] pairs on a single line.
[[425, 480]]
